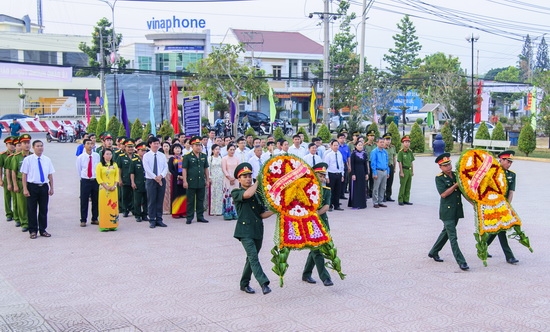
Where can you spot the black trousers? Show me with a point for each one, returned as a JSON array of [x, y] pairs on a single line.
[[140, 203], [38, 198], [155, 198], [88, 188], [346, 182], [389, 182], [127, 198], [335, 183]]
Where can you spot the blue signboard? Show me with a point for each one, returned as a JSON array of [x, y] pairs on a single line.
[[192, 115], [183, 48], [413, 101]]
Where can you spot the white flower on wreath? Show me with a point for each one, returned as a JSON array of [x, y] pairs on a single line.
[[298, 211], [276, 167], [313, 193], [276, 199], [295, 163]]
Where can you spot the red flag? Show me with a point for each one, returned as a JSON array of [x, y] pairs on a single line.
[[479, 100], [174, 107], [87, 98]]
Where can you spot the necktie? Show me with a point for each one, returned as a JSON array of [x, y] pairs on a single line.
[[155, 166], [90, 168], [336, 157], [260, 161], [314, 160], [41, 171]]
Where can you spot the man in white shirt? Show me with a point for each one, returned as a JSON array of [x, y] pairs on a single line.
[[303, 144], [241, 152], [320, 147], [312, 158], [37, 171], [270, 151], [85, 167], [256, 160], [156, 168], [211, 139], [335, 171], [296, 149], [223, 150]]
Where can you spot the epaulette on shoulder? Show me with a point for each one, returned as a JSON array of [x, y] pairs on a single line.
[[325, 187], [511, 171], [135, 159], [4, 152], [441, 174]]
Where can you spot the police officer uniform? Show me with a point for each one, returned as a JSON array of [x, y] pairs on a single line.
[[8, 198], [21, 200], [196, 168], [137, 173], [405, 159]]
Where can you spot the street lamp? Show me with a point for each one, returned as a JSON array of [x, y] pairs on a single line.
[[472, 39], [113, 57]]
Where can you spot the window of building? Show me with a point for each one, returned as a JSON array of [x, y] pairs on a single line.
[[42, 57], [145, 62], [305, 70], [8, 55], [277, 72], [176, 61], [75, 59]]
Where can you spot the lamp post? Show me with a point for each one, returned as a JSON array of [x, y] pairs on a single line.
[[472, 39]]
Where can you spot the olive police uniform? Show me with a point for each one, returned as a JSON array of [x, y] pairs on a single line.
[[315, 258], [249, 229], [196, 182], [406, 159], [8, 198], [450, 210], [20, 199], [391, 163], [8, 167], [140, 193], [502, 238], [124, 162]]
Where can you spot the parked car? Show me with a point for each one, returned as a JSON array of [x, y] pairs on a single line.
[[19, 117], [335, 122], [468, 138], [254, 119]]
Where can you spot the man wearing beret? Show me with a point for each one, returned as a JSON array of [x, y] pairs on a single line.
[[196, 179], [250, 227], [8, 198], [405, 158], [450, 210], [506, 160], [315, 258], [17, 181]]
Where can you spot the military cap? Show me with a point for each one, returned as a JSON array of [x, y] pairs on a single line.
[[508, 154], [356, 133], [242, 169], [142, 146], [8, 140], [405, 138], [443, 159], [15, 140], [121, 139], [128, 142], [343, 131], [371, 133], [320, 168], [387, 136], [25, 138], [106, 136], [195, 140]]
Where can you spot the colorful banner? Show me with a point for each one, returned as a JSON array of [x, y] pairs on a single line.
[[124, 114], [312, 105], [174, 107], [272, 109], [22, 72], [88, 110]]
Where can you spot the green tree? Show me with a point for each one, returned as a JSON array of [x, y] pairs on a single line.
[[542, 62], [404, 57], [166, 129], [498, 133], [278, 133], [417, 139], [101, 30], [303, 130], [250, 131], [92, 125], [447, 134], [543, 124], [146, 131], [526, 60], [223, 75], [527, 140], [137, 129], [122, 130], [113, 126], [510, 74], [101, 126], [483, 132], [395, 137], [324, 133], [461, 113], [374, 126]]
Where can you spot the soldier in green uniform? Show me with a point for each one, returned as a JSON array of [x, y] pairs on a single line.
[[195, 179], [9, 179], [405, 158], [10, 149], [315, 258], [17, 181], [137, 180], [390, 149], [368, 147], [450, 210], [505, 159], [250, 226], [124, 161], [107, 143]]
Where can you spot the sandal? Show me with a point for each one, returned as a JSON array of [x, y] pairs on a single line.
[[45, 234], [33, 236]]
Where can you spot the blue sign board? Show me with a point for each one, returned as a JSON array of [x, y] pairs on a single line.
[[183, 48], [413, 101], [192, 115]]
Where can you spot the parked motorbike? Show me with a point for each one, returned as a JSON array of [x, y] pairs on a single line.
[[265, 128], [285, 126], [52, 135]]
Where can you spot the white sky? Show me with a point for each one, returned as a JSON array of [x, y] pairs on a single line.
[[507, 21]]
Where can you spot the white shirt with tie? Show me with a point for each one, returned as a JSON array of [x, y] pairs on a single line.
[[257, 164], [82, 162], [335, 162], [149, 163], [312, 159], [31, 168]]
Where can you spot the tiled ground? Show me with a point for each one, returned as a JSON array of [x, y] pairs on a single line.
[[185, 277]]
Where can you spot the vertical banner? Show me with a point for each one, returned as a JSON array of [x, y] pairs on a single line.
[[479, 100], [534, 109], [192, 116]]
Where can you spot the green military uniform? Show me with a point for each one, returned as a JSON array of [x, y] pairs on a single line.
[[406, 159], [250, 231], [391, 163], [196, 184], [15, 211], [315, 258], [7, 194], [20, 199], [124, 163], [450, 210], [139, 194]]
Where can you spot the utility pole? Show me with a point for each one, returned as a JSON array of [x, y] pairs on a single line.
[[251, 41], [101, 68], [362, 43]]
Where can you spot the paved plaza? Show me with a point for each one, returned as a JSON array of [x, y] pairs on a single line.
[[186, 277]]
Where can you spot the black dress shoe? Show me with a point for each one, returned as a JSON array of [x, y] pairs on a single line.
[[24, 229], [189, 222], [247, 289], [125, 215], [309, 280], [390, 200], [343, 197], [489, 255], [145, 218], [161, 224], [94, 222], [402, 204], [339, 209], [17, 224], [512, 260], [328, 282], [435, 257], [407, 203], [382, 205], [266, 289], [376, 206], [330, 209], [464, 266], [9, 219], [202, 220], [152, 224]]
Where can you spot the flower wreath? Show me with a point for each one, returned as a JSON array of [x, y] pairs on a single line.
[[483, 182], [292, 190]]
